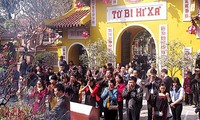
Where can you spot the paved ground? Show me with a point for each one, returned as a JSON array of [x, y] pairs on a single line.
[[187, 113]]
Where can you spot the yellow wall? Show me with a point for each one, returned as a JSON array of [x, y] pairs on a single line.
[[176, 27]]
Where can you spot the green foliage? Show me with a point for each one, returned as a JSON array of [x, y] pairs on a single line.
[[97, 55], [24, 17], [9, 7], [8, 62], [175, 61], [1, 24], [9, 25], [46, 57]]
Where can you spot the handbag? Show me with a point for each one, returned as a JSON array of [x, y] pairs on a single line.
[[113, 107], [80, 94], [169, 112], [158, 113]]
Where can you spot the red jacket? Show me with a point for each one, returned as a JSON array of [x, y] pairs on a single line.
[[95, 92], [120, 89]]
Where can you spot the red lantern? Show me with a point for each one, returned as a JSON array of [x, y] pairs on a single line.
[[192, 29], [79, 4], [85, 34]]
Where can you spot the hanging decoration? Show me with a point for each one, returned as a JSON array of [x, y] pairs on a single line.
[[79, 4], [85, 34], [192, 28]]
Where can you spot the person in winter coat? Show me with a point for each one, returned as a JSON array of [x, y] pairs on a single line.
[[133, 94]]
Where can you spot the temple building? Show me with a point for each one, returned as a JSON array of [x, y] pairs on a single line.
[[131, 28]]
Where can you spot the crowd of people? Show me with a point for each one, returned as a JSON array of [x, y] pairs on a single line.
[[106, 89]]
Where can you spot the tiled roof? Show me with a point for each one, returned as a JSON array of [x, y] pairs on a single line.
[[74, 20], [7, 35]]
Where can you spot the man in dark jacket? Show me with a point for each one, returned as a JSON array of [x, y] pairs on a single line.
[[32, 78], [133, 94], [152, 86], [166, 79], [195, 86], [61, 111], [72, 89], [62, 62]]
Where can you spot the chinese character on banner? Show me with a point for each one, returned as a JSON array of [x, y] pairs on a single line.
[[63, 52], [110, 39], [93, 12], [187, 7], [163, 43], [186, 54]]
